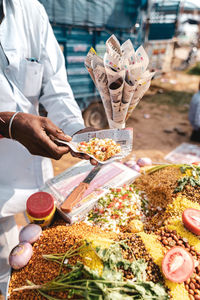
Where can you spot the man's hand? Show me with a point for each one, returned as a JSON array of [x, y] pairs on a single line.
[[85, 156], [36, 133]]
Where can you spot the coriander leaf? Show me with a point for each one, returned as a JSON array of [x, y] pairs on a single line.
[[117, 296], [138, 267], [111, 274]]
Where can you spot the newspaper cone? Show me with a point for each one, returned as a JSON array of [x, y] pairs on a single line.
[[102, 84], [115, 75], [128, 52], [113, 46], [142, 57], [142, 86], [139, 67], [115, 86], [121, 78], [127, 96], [88, 62]]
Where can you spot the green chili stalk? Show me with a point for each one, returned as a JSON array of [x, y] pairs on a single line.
[[159, 167]]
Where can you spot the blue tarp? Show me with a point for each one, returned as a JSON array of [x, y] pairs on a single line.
[[120, 14], [161, 31]]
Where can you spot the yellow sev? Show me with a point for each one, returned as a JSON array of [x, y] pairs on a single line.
[[179, 204], [89, 256], [156, 250], [176, 208], [177, 225], [91, 260]]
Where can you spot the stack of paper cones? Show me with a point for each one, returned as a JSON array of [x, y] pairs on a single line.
[[121, 78]]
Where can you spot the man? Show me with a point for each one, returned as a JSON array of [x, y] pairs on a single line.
[[194, 116], [32, 71]]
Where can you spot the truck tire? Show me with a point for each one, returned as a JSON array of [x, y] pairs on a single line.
[[94, 116]]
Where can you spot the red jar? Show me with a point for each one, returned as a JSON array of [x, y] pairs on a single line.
[[40, 208]]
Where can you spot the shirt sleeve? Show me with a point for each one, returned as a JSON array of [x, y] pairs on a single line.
[[56, 95]]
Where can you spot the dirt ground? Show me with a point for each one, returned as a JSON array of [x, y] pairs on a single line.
[[160, 121]]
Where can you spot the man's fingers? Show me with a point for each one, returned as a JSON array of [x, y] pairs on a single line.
[[85, 156], [93, 162], [52, 129], [54, 139], [52, 148], [80, 155]]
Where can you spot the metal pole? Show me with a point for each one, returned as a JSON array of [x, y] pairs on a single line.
[[147, 23]]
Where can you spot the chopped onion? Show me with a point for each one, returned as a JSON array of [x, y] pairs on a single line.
[[20, 255], [144, 161], [30, 233]]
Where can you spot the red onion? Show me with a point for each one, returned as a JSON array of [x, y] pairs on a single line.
[[30, 233], [136, 168], [130, 163], [144, 161], [20, 255]]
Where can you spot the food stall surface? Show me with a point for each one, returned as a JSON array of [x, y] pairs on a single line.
[[142, 241]]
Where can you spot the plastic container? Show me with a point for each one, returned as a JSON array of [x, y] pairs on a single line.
[[40, 208]]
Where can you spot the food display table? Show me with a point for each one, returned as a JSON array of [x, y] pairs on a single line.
[[133, 244]]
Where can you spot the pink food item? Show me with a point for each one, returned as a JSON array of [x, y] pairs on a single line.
[[144, 161], [20, 255]]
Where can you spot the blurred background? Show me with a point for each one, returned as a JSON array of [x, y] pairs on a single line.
[[169, 30]]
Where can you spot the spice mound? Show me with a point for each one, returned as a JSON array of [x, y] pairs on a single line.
[[123, 249], [96, 267], [101, 149], [169, 189]]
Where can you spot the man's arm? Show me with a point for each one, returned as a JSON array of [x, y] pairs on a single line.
[[57, 96], [35, 133]]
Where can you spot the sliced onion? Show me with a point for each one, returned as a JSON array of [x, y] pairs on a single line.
[[30, 233], [20, 255], [144, 161]]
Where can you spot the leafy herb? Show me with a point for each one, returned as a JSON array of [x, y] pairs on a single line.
[[82, 282], [192, 179]]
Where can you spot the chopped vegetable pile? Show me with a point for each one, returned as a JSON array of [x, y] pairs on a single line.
[[136, 251], [101, 149], [117, 208]]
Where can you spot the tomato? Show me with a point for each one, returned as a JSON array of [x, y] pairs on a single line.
[[177, 265], [191, 220], [111, 204], [115, 216], [196, 163]]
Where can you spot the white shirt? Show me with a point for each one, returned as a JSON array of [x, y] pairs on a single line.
[[25, 33]]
